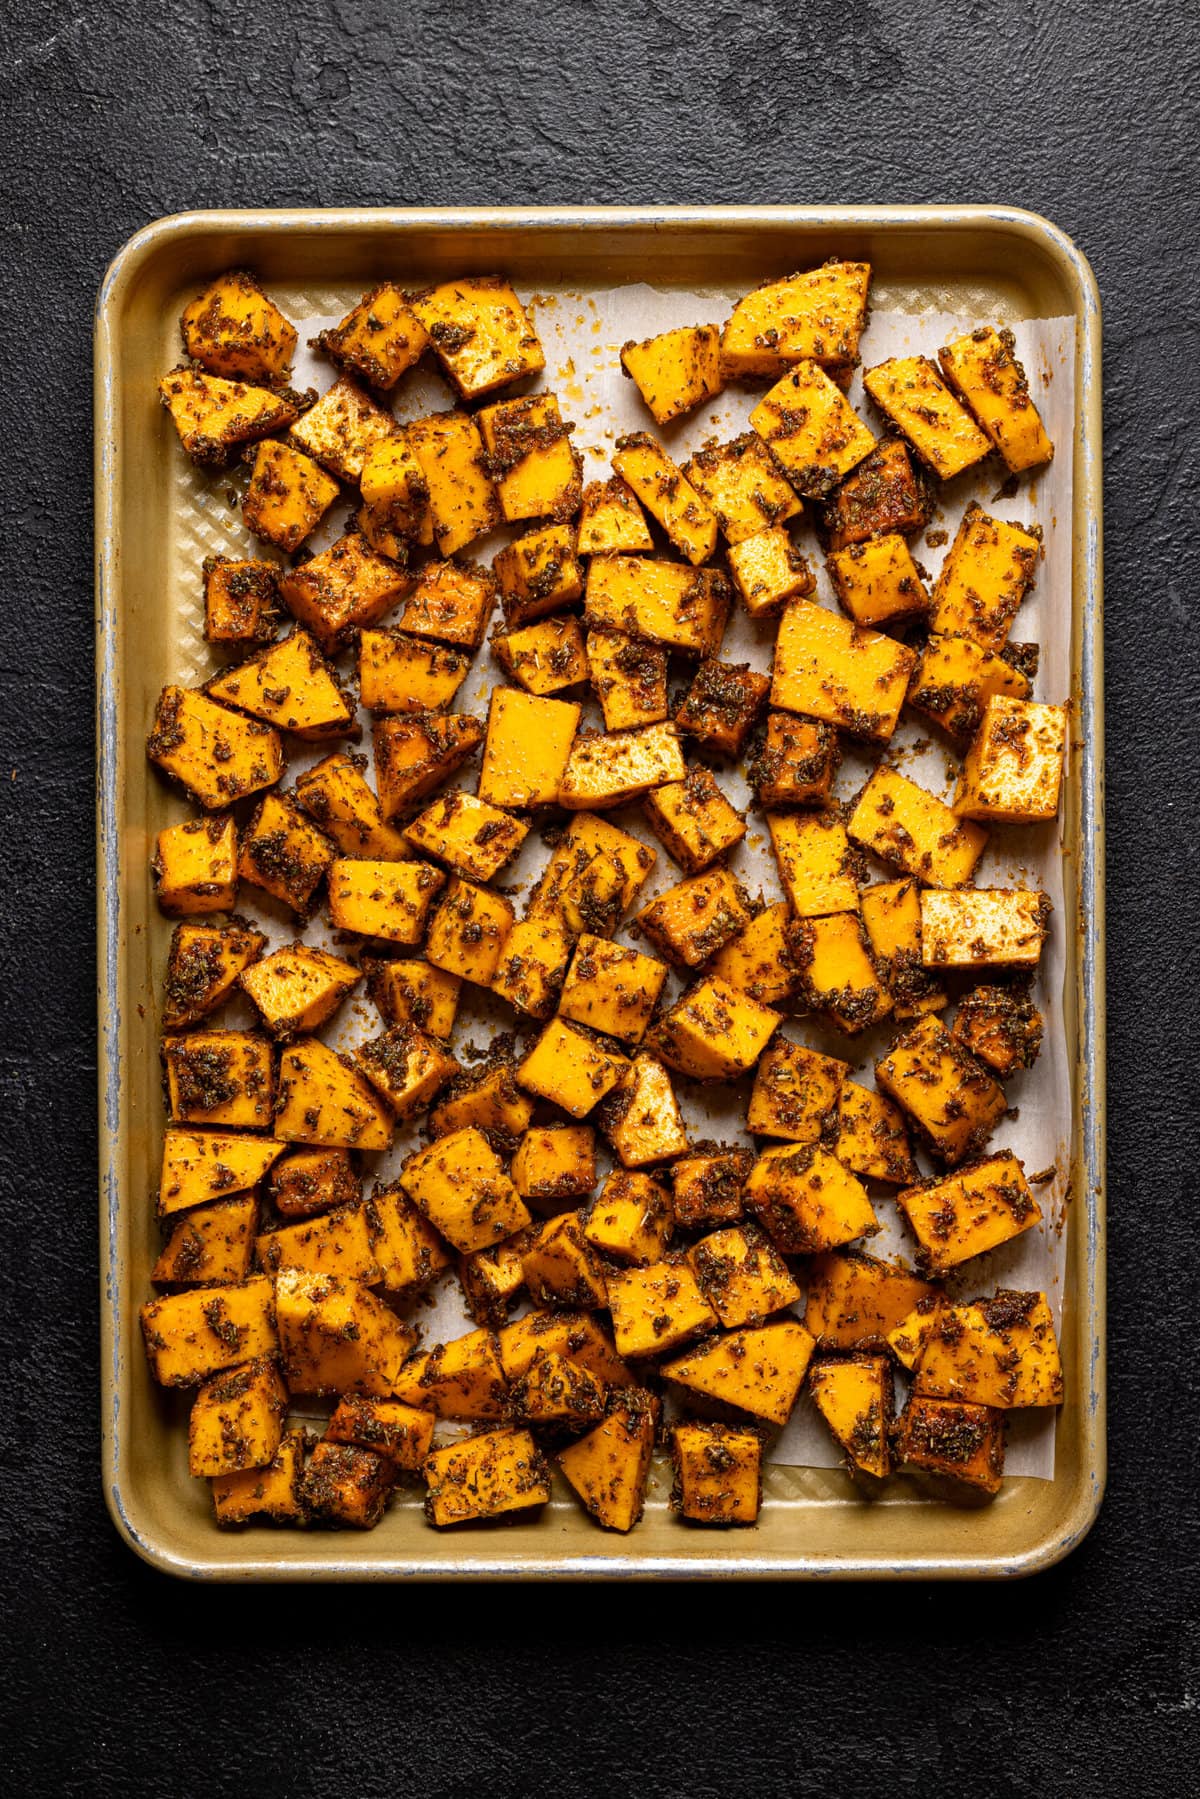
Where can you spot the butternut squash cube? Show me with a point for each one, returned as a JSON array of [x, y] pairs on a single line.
[[713, 1032], [891, 915], [667, 495], [1000, 1025], [237, 1421], [888, 491], [554, 1391], [468, 931], [537, 574], [216, 755], [451, 602], [676, 371], [211, 1244], [965, 1214], [285, 855], [988, 570], [835, 973], [407, 1067], [410, 1252], [609, 1468], [906, 825], [907, 1339], [205, 1165], [608, 769], [335, 1242], [484, 1476], [953, 681], [693, 820], [593, 876], [488, 1099], [481, 333], [233, 329], [386, 900], [415, 753], [742, 1276], [219, 1077], [641, 1118], [562, 1269], [287, 496], [708, 1185], [336, 1337], [872, 1138], [758, 960], [611, 988], [241, 601], [493, 1279], [960, 1443], [1013, 770], [954, 1104], [571, 1068], [718, 1473], [831, 669], [795, 1093], [1000, 1352], [854, 1395], [665, 602], [336, 795], [611, 520], [544, 657], [342, 589], [575, 1335], [342, 429], [314, 1180], [984, 927], [877, 582], [467, 834], [528, 748], [298, 988], [819, 315], [462, 497], [414, 992], [983, 369], [459, 1379], [759, 1370], [657, 1308], [346, 1486], [796, 763], [555, 1161], [528, 454], [290, 686], [271, 1492], [400, 1433], [768, 569], [460, 1185], [396, 514], [190, 1336], [691, 922], [911, 394], [807, 1201], [214, 417], [743, 485], [378, 340], [533, 966], [194, 867], [203, 964], [809, 426], [632, 1218], [323, 1100], [721, 705], [817, 866], [855, 1300], [629, 679]]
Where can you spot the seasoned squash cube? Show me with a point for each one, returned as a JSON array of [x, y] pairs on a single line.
[[336, 795], [963, 1444], [459, 1379], [335, 1242], [462, 497], [396, 513], [241, 602], [806, 1201], [414, 753], [216, 755], [718, 1473], [714, 1033], [632, 1218], [399, 1433], [609, 1467], [854, 1395], [1000, 1351], [608, 769], [528, 454], [493, 1279], [287, 496], [612, 988], [533, 966], [528, 748], [385, 900], [984, 928], [641, 1118], [214, 417], [817, 866], [571, 1068], [271, 1492], [657, 1308], [768, 569], [708, 1185], [906, 825], [562, 1269], [693, 820], [953, 681], [664, 602], [742, 1275], [190, 1336], [480, 332], [554, 1391], [856, 1300], [835, 973], [467, 932], [555, 1162], [629, 678], [298, 988], [795, 1093], [336, 1337], [983, 369], [796, 762], [233, 329], [952, 1101], [210, 1245], [743, 485], [877, 582], [988, 570], [219, 1077], [342, 429], [323, 1100], [907, 1339], [205, 1165], [758, 961], [544, 657], [1013, 771], [378, 340], [237, 1420], [911, 394], [404, 674], [676, 371], [611, 520], [1000, 1025], [831, 669], [484, 1476], [314, 1180], [691, 922], [667, 495], [537, 574], [759, 1370], [346, 1486], [451, 602], [818, 314], [965, 1214], [407, 1067], [721, 705], [487, 1098], [290, 686], [891, 915], [575, 1335], [467, 834], [888, 491], [195, 867], [343, 588], [872, 1138], [460, 1185], [285, 855], [811, 429], [593, 876], [410, 1252], [203, 964]]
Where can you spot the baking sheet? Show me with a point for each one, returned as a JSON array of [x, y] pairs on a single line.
[[582, 336]]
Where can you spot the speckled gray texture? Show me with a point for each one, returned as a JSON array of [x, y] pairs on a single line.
[[114, 114]]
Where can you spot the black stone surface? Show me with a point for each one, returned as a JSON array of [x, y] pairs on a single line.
[[118, 1682]]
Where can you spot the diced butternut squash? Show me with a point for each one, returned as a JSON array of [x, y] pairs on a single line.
[[835, 973], [676, 371], [272, 1492], [609, 1467], [287, 496], [693, 820], [480, 333], [641, 1117], [314, 1180], [877, 582], [555, 1162], [1000, 1025], [573, 1334], [667, 495], [533, 966], [237, 1421], [342, 429], [336, 795], [241, 602], [611, 988], [691, 922], [807, 1201], [343, 589], [410, 1252], [831, 669], [203, 964], [347, 1487], [219, 1077], [396, 514], [528, 749], [493, 1279], [190, 1336], [323, 1100], [856, 1300], [954, 1104], [718, 1473], [217, 756], [460, 1185], [758, 961], [796, 762], [743, 485], [953, 681], [984, 928], [467, 932], [400, 1433], [539, 573], [610, 768], [854, 1395], [333, 1243], [811, 429], [336, 1337], [795, 1093], [665, 602], [818, 314], [1000, 1352], [556, 1392], [971, 1211], [198, 1166], [414, 992], [290, 686], [611, 520], [963, 1444], [983, 369], [298, 988], [817, 866], [407, 1067], [386, 900], [459, 1379], [403, 674], [742, 1276], [233, 329], [284, 854], [488, 1099], [467, 834], [571, 1068], [561, 1268], [872, 1138], [891, 915], [452, 603], [632, 1218], [629, 678], [378, 340], [721, 705], [905, 824], [215, 417], [888, 491], [414, 754], [1013, 770], [768, 569], [657, 1308], [210, 1245], [528, 454], [593, 876], [911, 394], [462, 496], [484, 1476], [759, 1370], [708, 1186], [988, 570], [714, 1033], [545, 657], [194, 867]]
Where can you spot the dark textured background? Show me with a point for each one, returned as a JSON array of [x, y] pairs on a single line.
[[1087, 113]]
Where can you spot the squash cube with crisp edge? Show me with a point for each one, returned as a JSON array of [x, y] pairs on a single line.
[[460, 1184], [718, 1473]]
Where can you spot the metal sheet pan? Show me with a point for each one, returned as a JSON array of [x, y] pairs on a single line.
[[996, 261]]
